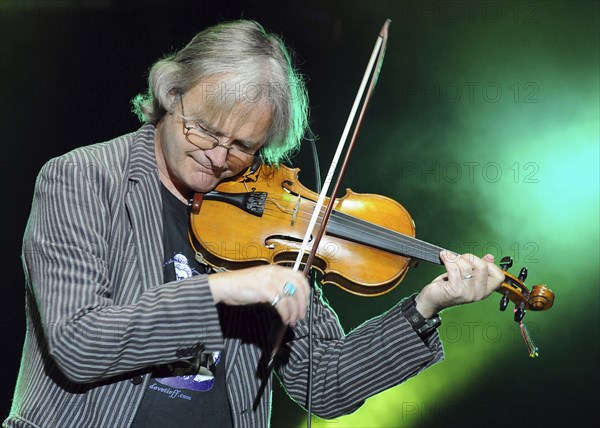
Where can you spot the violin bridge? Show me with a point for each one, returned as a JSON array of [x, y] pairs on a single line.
[[296, 209]]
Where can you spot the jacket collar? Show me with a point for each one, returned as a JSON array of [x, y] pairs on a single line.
[[143, 158]]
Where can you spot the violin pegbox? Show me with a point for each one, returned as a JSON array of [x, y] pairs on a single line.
[[540, 298], [513, 288]]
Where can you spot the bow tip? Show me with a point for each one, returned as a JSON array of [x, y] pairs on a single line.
[[384, 30]]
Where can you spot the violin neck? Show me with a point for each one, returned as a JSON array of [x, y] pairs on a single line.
[[357, 230]]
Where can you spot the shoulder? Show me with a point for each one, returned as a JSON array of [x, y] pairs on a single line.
[[111, 160]]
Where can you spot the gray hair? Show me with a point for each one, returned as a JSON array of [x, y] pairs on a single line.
[[252, 66]]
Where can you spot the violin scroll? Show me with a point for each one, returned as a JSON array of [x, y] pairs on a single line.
[[513, 289]]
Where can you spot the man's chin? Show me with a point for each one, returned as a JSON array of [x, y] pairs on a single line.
[[203, 184]]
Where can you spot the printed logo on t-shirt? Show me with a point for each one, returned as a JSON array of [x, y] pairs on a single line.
[[203, 380], [182, 267]]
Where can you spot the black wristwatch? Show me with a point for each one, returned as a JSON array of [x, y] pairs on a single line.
[[423, 326]]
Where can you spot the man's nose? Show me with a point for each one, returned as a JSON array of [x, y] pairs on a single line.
[[217, 156]]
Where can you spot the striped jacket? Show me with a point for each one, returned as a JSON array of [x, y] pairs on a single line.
[[99, 316]]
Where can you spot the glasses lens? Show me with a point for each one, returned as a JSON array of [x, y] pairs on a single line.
[[239, 158], [201, 140], [235, 157]]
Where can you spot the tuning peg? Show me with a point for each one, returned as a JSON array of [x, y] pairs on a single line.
[[519, 312], [506, 263], [503, 302], [523, 274]]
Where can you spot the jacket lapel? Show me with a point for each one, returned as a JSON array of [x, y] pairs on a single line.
[[144, 206]]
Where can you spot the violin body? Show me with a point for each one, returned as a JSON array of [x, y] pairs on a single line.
[[261, 217], [266, 220]]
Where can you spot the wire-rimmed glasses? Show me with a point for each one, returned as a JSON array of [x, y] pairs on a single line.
[[197, 134]]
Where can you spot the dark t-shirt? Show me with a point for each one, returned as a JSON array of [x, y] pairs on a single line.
[[188, 393]]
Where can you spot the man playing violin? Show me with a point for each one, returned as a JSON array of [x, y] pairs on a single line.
[[126, 328]]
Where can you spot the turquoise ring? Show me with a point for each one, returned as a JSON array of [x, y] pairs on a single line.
[[289, 289]]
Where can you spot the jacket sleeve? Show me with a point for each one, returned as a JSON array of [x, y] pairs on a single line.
[[381, 353], [66, 252]]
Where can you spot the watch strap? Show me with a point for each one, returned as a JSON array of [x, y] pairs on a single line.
[[423, 326]]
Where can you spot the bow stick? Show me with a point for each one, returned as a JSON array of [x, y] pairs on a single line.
[[372, 72]]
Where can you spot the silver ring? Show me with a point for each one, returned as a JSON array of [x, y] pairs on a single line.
[[289, 289], [467, 276], [276, 299]]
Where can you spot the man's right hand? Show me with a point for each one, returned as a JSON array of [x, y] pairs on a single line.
[[262, 284]]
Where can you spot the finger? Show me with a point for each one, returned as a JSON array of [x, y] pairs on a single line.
[[489, 258], [295, 303], [294, 298], [489, 277], [449, 261], [302, 295], [457, 267], [495, 277], [480, 280], [495, 274], [479, 266], [282, 304]]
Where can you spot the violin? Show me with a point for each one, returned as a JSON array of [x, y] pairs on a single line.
[[369, 243], [363, 243]]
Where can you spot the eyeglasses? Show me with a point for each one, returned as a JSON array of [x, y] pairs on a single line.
[[199, 136]]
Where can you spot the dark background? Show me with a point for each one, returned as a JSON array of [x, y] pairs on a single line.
[[69, 69]]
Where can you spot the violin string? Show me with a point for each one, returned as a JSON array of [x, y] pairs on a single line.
[[358, 228], [354, 223], [387, 238]]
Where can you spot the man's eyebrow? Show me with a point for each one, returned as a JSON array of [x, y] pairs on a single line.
[[246, 143]]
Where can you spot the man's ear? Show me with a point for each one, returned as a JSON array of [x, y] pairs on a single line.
[[172, 96]]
